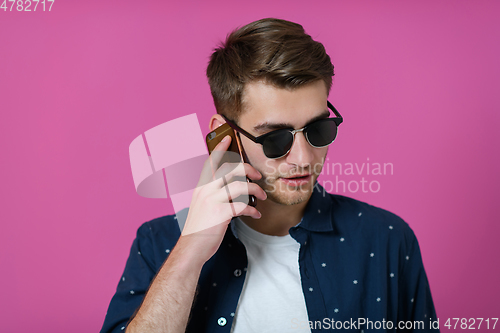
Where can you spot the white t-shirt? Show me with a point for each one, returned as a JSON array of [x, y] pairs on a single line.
[[272, 299]]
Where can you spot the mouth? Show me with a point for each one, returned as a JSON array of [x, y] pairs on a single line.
[[297, 180], [299, 176]]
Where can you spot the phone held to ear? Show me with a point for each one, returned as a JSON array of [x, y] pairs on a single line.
[[236, 153]]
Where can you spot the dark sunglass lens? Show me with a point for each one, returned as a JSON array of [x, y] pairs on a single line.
[[277, 144], [321, 133]]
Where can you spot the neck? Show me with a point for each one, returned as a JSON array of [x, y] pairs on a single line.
[[276, 218]]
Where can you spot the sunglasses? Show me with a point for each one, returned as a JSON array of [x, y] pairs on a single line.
[[278, 143]]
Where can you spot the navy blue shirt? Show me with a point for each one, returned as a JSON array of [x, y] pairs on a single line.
[[359, 265]]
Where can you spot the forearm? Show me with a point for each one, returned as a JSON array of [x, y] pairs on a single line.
[[167, 304]]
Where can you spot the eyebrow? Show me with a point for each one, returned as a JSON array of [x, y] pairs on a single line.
[[266, 126]]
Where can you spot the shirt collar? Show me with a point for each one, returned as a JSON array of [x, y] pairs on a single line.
[[318, 213]]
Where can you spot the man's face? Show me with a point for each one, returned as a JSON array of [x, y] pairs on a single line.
[[267, 105]]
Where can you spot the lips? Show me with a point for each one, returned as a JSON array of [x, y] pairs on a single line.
[[299, 176], [298, 180]]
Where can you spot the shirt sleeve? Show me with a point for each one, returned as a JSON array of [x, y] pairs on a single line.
[[137, 276], [415, 300]]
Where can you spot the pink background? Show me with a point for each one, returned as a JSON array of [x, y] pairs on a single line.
[[416, 81]]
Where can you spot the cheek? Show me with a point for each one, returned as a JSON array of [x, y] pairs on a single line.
[[319, 159], [271, 168], [321, 154], [259, 161], [255, 155], [267, 166]]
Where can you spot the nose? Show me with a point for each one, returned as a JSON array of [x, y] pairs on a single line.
[[301, 153]]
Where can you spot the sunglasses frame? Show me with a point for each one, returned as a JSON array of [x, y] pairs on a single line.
[[260, 139]]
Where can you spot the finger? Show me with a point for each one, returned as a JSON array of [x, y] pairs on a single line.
[[213, 160], [226, 168], [241, 208], [223, 144], [242, 170], [239, 192], [218, 153], [235, 189]]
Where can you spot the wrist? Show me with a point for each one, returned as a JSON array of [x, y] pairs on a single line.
[[187, 256]]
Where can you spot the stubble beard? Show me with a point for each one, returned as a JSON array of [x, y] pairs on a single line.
[[281, 193]]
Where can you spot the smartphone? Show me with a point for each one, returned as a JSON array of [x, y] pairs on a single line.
[[238, 154]]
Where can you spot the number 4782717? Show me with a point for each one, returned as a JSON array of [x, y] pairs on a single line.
[[471, 323], [26, 5]]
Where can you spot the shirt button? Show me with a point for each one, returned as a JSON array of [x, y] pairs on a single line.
[[222, 321], [237, 272]]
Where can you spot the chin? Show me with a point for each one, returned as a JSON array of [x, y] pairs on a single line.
[[288, 200], [285, 195]]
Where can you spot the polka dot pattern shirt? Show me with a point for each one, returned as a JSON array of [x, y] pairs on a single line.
[[356, 261]]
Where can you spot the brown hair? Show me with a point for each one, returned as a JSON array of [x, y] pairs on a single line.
[[276, 51]]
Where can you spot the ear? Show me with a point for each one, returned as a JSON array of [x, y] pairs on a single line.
[[215, 122]]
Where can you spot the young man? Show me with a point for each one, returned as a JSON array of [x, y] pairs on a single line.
[[300, 261]]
